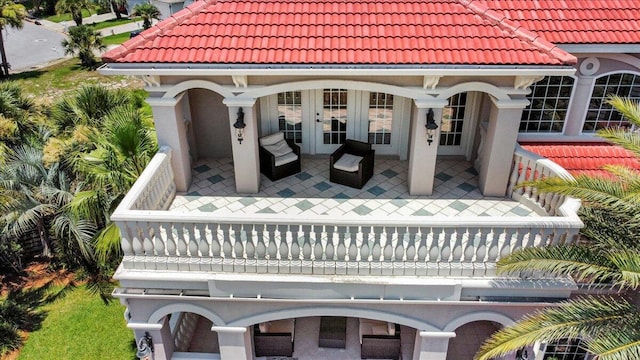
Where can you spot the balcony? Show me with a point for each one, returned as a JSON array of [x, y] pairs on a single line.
[[306, 225]]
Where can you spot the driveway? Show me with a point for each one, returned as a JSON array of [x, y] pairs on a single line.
[[32, 46]]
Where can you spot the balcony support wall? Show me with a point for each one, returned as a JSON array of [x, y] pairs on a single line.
[[171, 130], [499, 145], [432, 345], [422, 155], [246, 163], [163, 344], [235, 342]]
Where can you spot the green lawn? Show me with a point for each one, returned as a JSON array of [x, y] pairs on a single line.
[[67, 17], [80, 326], [112, 22], [49, 84], [116, 39]]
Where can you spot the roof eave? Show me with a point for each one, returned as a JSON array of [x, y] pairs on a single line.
[[164, 69]]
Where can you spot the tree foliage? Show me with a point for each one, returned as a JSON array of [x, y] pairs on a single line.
[[609, 326], [83, 40], [147, 12]]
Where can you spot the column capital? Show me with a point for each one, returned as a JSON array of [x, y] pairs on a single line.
[[162, 101], [434, 103], [240, 102], [437, 334], [144, 326], [229, 329], [510, 103]]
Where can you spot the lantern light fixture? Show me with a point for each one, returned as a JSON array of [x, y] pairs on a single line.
[[239, 125], [431, 126]]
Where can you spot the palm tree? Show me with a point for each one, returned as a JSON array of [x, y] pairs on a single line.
[[83, 40], [89, 105], [147, 12], [608, 325], [38, 200], [11, 14], [19, 121], [74, 7], [125, 146]]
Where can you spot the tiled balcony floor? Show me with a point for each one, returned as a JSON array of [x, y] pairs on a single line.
[[311, 193]]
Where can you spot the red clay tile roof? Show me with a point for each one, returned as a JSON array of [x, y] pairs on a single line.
[[584, 158], [363, 32], [575, 21]]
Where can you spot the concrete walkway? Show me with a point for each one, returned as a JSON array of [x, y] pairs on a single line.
[[64, 26]]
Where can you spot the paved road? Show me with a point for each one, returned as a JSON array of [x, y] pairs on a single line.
[[35, 46], [32, 46]]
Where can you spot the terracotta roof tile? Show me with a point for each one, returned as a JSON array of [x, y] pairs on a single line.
[[574, 21], [584, 158], [345, 32]]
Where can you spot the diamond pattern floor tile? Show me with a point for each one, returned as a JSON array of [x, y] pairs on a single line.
[[310, 192]]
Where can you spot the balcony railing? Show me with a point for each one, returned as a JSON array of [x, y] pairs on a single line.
[[156, 239]]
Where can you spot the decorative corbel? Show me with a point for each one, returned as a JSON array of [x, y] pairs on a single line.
[[523, 82], [150, 80], [431, 81], [240, 80]]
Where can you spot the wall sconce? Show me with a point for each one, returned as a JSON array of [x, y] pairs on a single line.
[[239, 125], [145, 347], [522, 355], [431, 126]]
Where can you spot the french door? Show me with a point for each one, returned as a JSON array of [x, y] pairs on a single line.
[[457, 122], [320, 120]]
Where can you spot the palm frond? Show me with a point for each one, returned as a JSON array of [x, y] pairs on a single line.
[[580, 262], [580, 318], [628, 264], [621, 344]]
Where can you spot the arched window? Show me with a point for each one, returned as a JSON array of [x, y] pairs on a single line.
[[549, 101], [601, 115], [566, 350]]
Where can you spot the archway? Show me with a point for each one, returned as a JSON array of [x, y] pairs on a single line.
[[469, 337]]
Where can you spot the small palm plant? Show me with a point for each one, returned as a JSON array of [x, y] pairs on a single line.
[[608, 325], [147, 12], [83, 40]]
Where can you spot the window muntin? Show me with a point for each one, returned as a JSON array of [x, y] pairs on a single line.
[[380, 118], [601, 115], [290, 115], [334, 116], [549, 101], [565, 350], [453, 120]]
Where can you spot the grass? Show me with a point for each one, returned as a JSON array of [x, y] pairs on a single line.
[[67, 17], [111, 22], [116, 39], [49, 84], [79, 326]]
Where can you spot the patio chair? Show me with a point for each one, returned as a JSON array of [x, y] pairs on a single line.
[[352, 164], [279, 157]]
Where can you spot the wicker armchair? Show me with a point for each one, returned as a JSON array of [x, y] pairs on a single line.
[[277, 165], [352, 164]]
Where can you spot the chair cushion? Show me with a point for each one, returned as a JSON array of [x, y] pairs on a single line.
[[272, 139], [348, 162], [285, 159], [278, 149]]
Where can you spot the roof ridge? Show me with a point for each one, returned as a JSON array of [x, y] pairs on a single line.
[[163, 26], [519, 31]]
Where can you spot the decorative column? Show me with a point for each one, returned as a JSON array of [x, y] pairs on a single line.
[[171, 130], [235, 342], [422, 155], [432, 345], [499, 145], [574, 121], [160, 336], [246, 161]]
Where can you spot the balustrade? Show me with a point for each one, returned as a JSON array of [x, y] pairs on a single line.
[[154, 239]]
